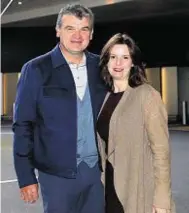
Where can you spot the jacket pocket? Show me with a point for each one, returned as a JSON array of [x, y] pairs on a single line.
[[53, 91]]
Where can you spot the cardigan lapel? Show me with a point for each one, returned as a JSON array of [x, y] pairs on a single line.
[[105, 99], [113, 121]]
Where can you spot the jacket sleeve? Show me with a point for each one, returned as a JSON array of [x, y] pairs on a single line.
[[157, 130], [23, 127]]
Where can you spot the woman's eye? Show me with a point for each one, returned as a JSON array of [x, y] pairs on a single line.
[[112, 57]]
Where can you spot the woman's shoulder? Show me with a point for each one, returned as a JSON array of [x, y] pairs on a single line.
[[147, 89], [148, 93]]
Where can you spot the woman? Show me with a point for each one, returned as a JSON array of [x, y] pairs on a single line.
[[132, 134]]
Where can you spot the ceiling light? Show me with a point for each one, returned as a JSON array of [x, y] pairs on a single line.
[[19, 2], [110, 1]]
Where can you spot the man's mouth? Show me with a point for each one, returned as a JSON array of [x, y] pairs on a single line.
[[77, 42]]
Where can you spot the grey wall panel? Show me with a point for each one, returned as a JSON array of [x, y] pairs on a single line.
[[183, 88]]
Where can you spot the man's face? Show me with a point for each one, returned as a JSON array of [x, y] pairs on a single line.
[[74, 34]]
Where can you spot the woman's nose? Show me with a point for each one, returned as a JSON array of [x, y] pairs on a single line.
[[118, 61]]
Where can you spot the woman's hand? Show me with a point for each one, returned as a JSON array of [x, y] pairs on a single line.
[[158, 210]]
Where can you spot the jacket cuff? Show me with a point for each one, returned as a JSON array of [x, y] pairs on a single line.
[[26, 181]]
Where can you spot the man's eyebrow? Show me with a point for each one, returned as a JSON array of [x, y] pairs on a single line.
[[68, 26]]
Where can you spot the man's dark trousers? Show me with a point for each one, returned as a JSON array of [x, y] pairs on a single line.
[[84, 194]]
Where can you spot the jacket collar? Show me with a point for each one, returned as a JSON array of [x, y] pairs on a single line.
[[58, 59]]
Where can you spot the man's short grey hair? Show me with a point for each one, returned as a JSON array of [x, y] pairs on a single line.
[[76, 10]]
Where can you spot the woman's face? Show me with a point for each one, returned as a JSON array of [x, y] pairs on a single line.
[[120, 62]]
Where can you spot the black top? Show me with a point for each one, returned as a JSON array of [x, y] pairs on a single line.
[[105, 115]]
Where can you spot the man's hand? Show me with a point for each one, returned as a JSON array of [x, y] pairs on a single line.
[[29, 193], [158, 210]]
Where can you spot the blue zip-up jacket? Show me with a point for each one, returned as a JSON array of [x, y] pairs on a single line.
[[45, 118]]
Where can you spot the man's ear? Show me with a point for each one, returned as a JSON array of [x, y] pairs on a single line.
[[57, 32], [91, 36]]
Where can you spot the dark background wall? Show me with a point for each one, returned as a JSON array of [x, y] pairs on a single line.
[[164, 41], [22, 44]]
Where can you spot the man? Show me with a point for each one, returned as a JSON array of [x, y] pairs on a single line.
[[58, 99]]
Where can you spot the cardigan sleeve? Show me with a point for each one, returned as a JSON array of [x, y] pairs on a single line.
[[157, 130]]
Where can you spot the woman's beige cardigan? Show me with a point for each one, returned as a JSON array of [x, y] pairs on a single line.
[[139, 151]]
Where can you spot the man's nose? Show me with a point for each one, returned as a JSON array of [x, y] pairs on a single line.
[[77, 34]]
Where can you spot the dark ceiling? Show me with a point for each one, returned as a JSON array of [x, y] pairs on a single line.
[[28, 4], [159, 27], [126, 10]]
